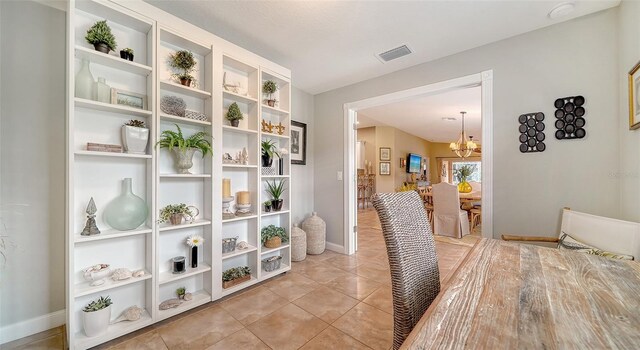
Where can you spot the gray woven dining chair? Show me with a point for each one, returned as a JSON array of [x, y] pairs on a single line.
[[415, 279]]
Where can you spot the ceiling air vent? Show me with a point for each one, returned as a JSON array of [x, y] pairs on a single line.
[[394, 53]]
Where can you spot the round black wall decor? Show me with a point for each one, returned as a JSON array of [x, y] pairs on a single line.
[[531, 132], [570, 118]]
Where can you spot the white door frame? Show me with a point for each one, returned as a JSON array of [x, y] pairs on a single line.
[[485, 81]]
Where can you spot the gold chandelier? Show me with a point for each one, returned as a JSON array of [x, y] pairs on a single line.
[[463, 147]]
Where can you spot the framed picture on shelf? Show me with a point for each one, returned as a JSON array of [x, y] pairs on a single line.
[[634, 98], [385, 168], [385, 154], [129, 99], [298, 143]]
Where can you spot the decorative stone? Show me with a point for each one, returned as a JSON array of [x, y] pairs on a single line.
[[131, 313], [188, 296], [170, 304], [316, 230], [138, 273], [242, 245], [121, 274], [298, 244], [173, 105]]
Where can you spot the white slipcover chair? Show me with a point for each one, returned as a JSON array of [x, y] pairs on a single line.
[[449, 219], [475, 186]]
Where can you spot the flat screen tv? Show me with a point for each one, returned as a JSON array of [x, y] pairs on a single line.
[[413, 163]]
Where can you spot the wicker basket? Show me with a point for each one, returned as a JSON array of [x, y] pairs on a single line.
[[272, 263], [316, 230], [298, 244], [273, 242], [190, 114], [229, 245]]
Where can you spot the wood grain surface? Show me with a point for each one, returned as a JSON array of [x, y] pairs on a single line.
[[517, 296]]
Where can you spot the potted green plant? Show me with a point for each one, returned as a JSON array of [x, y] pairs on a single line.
[[181, 292], [96, 316], [272, 236], [185, 63], [185, 148], [268, 150], [126, 54], [235, 276], [175, 213], [234, 115], [135, 137], [275, 190], [270, 87], [99, 35], [267, 206], [461, 175]]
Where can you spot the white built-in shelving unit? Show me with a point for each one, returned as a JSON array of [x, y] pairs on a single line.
[[151, 246]]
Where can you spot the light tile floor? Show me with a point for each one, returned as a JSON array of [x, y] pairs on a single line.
[[328, 301]]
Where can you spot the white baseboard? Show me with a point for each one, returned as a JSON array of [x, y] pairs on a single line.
[[32, 326], [336, 248]]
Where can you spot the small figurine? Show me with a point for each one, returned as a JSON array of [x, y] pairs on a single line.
[[90, 228], [280, 128], [267, 127], [244, 158]]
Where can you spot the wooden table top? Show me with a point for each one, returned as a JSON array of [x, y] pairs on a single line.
[[519, 296]]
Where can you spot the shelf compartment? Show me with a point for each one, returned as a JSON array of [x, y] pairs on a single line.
[[275, 176], [112, 234], [185, 90], [108, 107], [239, 252], [185, 176], [274, 110], [177, 39], [240, 218], [240, 286], [85, 288], [266, 134], [197, 223], [272, 213], [114, 331], [239, 166], [112, 154], [199, 298], [175, 118], [168, 276], [283, 268], [240, 98], [111, 61], [238, 130], [266, 250]]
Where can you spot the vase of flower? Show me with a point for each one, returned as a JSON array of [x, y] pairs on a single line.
[[193, 242]]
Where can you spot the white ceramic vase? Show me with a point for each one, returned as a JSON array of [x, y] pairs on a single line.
[[135, 139], [84, 81], [96, 323]]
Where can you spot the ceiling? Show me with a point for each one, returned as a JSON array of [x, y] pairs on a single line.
[[330, 44], [422, 116]]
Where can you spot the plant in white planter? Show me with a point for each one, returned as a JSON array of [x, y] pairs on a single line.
[[185, 148], [96, 317], [135, 137]]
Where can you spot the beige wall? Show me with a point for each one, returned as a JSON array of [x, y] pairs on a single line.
[[404, 144], [437, 150], [385, 137], [368, 135], [530, 71]]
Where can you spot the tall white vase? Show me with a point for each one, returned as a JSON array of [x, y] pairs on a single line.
[[84, 81]]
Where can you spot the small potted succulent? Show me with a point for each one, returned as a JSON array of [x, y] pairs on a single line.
[[96, 316], [268, 150], [181, 292], [275, 190], [235, 276], [267, 206], [99, 35], [135, 137], [184, 62], [185, 148], [272, 236], [234, 115], [270, 87], [175, 213], [126, 54]]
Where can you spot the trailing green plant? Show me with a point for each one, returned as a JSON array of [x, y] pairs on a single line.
[[171, 139], [135, 123], [128, 50], [181, 291], [235, 273], [275, 190], [234, 112], [99, 304], [464, 172], [100, 33], [268, 148], [183, 61], [171, 209], [269, 87], [272, 231]]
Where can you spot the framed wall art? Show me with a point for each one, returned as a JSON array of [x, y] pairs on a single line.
[[385, 154], [129, 99], [634, 98], [385, 168], [298, 143]]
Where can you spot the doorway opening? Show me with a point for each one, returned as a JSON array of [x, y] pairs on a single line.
[[371, 165]]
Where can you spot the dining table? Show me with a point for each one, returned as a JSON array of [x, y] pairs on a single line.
[[506, 295]]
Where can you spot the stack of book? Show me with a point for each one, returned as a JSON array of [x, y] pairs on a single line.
[[103, 147]]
